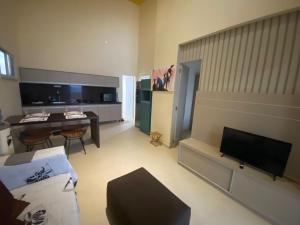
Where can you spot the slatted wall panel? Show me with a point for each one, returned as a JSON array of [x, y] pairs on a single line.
[[262, 57]]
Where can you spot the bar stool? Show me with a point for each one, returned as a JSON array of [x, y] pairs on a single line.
[[73, 132], [31, 138]]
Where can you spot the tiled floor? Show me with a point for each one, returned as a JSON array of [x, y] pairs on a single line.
[[123, 149]]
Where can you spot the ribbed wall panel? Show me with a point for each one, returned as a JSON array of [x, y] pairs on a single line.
[[262, 57]]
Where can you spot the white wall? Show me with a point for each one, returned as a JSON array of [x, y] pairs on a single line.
[[179, 21], [95, 36], [161, 115], [9, 89], [147, 34], [98, 37]]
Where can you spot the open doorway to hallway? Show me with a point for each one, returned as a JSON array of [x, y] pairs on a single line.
[[187, 82], [128, 98]]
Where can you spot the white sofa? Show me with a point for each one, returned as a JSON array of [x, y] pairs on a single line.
[[49, 194]]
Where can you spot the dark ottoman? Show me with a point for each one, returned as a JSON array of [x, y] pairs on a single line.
[[138, 198]]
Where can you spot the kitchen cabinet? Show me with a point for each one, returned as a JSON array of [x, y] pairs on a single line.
[[28, 75], [59, 77], [92, 108], [110, 112]]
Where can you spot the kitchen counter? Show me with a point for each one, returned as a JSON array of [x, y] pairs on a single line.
[[106, 111]]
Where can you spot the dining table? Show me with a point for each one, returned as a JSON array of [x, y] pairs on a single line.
[[16, 120]]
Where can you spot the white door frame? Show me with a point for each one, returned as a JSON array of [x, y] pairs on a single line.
[[124, 95], [175, 129]]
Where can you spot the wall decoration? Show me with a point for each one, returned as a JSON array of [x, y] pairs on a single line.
[[163, 79]]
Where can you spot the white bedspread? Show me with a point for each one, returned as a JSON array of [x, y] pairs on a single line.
[[50, 195], [44, 164]]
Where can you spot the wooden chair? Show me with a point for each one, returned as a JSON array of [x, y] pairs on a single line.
[[73, 132], [31, 138]]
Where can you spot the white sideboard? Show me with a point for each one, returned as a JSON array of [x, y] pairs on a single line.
[[277, 201]]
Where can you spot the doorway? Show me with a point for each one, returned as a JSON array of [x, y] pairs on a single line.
[[128, 98], [187, 82]]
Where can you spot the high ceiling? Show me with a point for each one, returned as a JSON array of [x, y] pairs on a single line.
[[138, 2]]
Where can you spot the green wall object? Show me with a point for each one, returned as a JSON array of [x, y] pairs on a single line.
[[145, 125], [146, 105], [146, 84]]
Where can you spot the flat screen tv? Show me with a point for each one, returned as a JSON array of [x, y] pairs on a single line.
[[264, 153]]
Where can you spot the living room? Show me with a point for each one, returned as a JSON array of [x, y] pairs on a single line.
[[163, 94]]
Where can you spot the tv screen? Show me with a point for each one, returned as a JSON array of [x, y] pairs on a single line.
[[264, 153]]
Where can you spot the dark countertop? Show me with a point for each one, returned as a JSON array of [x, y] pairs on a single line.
[[72, 104], [59, 117], [53, 118]]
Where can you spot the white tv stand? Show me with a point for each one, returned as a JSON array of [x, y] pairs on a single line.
[[277, 201]]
